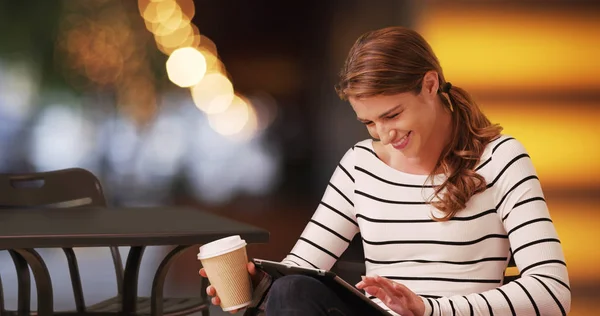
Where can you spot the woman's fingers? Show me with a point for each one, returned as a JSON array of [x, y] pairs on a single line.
[[367, 281], [376, 291], [392, 296], [371, 286], [255, 274], [382, 282], [210, 290], [385, 287], [400, 295], [388, 299], [217, 301], [391, 286], [251, 268]]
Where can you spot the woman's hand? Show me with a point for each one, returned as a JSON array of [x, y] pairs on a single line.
[[394, 295], [255, 275]]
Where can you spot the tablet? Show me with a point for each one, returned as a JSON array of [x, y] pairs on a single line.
[[348, 293]]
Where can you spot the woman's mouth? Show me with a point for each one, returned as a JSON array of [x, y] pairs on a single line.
[[402, 142]]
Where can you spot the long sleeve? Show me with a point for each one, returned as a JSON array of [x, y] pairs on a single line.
[[333, 224], [543, 288], [326, 235]]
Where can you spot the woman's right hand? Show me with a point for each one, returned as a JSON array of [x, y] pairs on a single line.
[[256, 276]]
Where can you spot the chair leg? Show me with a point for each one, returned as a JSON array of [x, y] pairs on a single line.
[[156, 298], [1, 298], [24, 283], [42, 280], [118, 262], [75, 279]]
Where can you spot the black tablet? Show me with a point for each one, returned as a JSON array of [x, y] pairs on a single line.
[[348, 293]]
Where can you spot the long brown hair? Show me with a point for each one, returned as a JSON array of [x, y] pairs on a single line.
[[394, 60]]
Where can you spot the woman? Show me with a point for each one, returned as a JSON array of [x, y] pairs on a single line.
[[442, 201]]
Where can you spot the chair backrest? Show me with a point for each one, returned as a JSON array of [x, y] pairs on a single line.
[[56, 189], [512, 272], [66, 188]]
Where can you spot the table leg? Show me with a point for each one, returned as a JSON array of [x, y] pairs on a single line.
[[23, 283], [42, 280], [156, 297], [130, 279]]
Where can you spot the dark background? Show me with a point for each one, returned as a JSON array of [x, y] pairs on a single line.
[[292, 51]]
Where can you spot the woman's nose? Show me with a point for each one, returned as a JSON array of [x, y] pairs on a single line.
[[387, 136]]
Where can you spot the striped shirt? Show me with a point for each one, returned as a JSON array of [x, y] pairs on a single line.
[[455, 266]]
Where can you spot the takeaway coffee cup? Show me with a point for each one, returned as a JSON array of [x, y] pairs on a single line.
[[225, 262]]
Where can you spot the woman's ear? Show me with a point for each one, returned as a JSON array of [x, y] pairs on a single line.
[[430, 83]]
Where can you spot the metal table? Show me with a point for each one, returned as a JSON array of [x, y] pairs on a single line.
[[22, 230]]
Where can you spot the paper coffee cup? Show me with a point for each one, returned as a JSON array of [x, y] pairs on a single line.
[[225, 262]]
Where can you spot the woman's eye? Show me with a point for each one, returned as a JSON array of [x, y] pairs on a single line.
[[368, 123], [392, 116]]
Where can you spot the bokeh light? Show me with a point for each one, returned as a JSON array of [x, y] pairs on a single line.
[[61, 139], [170, 23], [251, 126], [194, 63], [100, 48], [213, 94], [186, 66], [231, 121], [157, 11], [208, 44], [213, 64], [186, 36]]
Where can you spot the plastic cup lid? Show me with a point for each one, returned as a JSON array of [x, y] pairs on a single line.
[[221, 246]]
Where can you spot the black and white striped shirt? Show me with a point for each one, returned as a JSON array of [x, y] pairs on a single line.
[[455, 266]]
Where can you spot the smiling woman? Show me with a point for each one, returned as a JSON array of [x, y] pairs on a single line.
[[441, 129], [441, 199]]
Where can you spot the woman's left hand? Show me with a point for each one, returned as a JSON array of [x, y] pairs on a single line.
[[394, 295]]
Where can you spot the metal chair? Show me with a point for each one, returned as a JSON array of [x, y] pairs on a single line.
[[512, 272], [2, 309], [351, 264], [23, 284], [77, 187]]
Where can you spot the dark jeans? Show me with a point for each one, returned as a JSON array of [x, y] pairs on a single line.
[[299, 295]]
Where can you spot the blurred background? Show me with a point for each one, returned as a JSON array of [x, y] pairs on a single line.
[[254, 132]]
